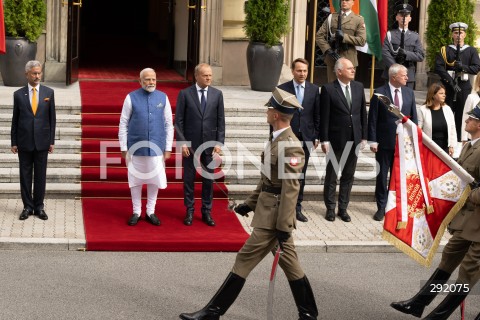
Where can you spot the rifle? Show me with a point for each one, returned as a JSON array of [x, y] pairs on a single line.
[[457, 74], [338, 42]]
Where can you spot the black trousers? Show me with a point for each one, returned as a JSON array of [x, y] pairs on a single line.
[[306, 150], [457, 106], [33, 166], [385, 160], [346, 180], [189, 173]]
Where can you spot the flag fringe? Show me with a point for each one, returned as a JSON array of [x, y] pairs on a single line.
[[412, 253]]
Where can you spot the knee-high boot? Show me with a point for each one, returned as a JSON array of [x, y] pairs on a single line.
[[415, 305], [304, 299], [220, 302], [447, 306]]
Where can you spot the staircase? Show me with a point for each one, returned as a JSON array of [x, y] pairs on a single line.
[[63, 170], [246, 134]]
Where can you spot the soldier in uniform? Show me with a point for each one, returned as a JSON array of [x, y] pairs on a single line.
[[273, 202], [352, 34], [463, 248], [454, 71], [412, 49]]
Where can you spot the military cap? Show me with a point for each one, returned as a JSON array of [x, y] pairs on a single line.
[[458, 25], [284, 101], [403, 8], [475, 112]]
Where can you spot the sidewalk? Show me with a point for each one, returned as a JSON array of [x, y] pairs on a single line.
[[64, 230]]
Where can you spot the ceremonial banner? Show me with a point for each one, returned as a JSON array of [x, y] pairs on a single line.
[[2, 30], [427, 189]]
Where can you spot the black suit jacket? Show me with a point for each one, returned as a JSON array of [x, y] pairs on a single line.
[[381, 122], [306, 123], [33, 132], [338, 124], [196, 126]]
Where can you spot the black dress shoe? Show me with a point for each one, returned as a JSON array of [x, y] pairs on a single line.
[[25, 213], [330, 216], [378, 216], [153, 219], [188, 218], [41, 214], [344, 215], [133, 219], [208, 219], [300, 216]]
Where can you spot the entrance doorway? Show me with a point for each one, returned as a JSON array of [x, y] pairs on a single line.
[[118, 39]]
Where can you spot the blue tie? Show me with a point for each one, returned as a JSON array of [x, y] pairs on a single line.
[[203, 101], [300, 93]]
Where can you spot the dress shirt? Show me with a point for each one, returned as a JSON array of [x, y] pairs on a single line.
[[275, 134], [30, 92], [392, 91], [296, 84], [199, 93]]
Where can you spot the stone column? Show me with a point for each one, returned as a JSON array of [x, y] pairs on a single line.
[[421, 75], [211, 30], [56, 41]]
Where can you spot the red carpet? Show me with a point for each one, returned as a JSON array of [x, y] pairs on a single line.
[[106, 201]]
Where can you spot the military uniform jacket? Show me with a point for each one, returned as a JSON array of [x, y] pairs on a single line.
[[277, 211], [354, 34], [468, 219], [468, 57], [412, 46]]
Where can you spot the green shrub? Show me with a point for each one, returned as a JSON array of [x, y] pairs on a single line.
[[442, 13], [266, 21], [24, 18]]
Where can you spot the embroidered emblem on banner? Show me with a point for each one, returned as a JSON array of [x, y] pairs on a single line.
[[294, 161]]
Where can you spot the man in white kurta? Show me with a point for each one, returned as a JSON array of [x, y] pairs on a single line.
[[146, 138]]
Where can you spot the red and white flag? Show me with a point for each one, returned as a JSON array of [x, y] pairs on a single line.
[[427, 189], [2, 30]]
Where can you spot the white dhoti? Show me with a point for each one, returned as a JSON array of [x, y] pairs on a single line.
[[150, 171]]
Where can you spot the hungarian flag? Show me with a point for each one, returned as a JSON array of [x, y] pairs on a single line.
[[427, 189], [2, 30], [374, 18]]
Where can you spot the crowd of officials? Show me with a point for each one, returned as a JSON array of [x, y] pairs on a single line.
[[302, 117]]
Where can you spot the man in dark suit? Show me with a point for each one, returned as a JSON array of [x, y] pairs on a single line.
[[382, 128], [305, 123], [199, 119], [33, 138], [343, 130]]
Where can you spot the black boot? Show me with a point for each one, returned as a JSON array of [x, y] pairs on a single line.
[[220, 302], [304, 299], [415, 305], [447, 306]]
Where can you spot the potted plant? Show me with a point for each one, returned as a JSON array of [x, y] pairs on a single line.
[[24, 23], [438, 33], [266, 22]]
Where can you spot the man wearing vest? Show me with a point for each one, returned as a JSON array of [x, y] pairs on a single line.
[[146, 138], [407, 55], [352, 34], [454, 72]]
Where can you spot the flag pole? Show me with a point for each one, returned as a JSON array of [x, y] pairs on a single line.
[[372, 76]]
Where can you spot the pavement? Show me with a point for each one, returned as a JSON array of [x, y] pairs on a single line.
[[64, 230]]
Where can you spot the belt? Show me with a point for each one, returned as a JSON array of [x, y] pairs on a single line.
[[269, 189]]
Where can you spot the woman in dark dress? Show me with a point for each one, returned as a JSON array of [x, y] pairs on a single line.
[[436, 119]]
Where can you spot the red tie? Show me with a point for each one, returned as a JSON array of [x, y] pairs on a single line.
[[395, 99]]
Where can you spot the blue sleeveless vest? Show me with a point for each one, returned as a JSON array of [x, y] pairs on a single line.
[[147, 122]]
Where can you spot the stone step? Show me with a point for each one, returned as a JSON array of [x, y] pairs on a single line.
[[63, 120], [54, 175], [311, 192], [61, 146], [61, 133], [59, 109], [55, 160], [53, 190]]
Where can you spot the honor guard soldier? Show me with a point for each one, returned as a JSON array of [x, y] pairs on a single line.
[[338, 36], [453, 64], [273, 202], [402, 45]]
